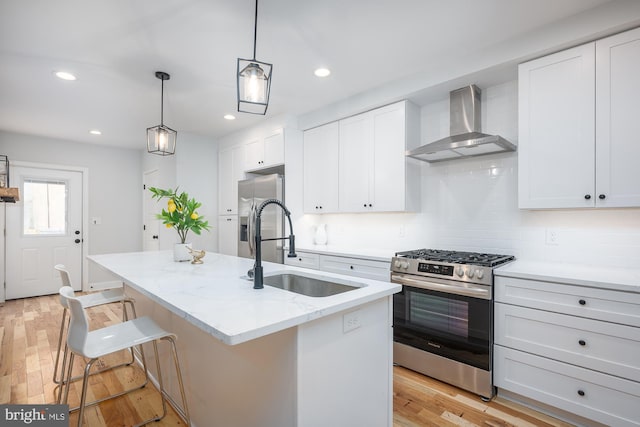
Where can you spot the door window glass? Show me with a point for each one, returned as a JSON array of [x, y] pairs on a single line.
[[45, 207]]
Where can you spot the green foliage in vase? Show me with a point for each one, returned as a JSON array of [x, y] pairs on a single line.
[[181, 212]]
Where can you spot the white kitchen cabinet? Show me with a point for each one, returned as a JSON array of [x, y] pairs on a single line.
[[368, 269], [265, 152], [228, 235], [575, 348], [320, 169], [578, 126], [304, 259], [374, 174], [592, 395], [617, 124], [230, 171], [357, 266]]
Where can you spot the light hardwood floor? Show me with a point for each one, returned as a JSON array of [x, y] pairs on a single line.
[[29, 336]]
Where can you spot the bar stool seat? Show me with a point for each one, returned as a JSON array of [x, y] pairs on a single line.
[[101, 342], [94, 299]]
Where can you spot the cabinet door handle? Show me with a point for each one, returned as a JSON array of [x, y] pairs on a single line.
[[365, 205], [369, 204], [587, 196], [602, 197], [582, 342], [351, 267], [581, 392], [300, 259], [582, 302]]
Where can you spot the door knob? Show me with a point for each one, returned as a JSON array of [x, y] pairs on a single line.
[[77, 232], [77, 240]]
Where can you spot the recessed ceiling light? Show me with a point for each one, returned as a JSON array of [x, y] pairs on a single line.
[[95, 132], [322, 72], [229, 117], [64, 75]]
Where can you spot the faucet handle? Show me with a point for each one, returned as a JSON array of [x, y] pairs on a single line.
[[250, 273], [292, 246]]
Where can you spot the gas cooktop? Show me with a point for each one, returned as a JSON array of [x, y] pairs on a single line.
[[456, 257]]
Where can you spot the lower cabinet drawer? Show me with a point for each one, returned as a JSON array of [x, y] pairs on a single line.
[[604, 398], [603, 346], [303, 259], [368, 269]]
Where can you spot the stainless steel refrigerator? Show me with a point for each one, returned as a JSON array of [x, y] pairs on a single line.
[[252, 192]]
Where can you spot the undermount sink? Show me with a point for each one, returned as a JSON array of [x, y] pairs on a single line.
[[307, 285]]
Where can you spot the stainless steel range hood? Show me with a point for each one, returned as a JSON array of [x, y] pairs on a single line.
[[466, 138]]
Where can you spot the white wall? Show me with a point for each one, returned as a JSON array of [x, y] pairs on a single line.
[[115, 180], [471, 205], [194, 169]]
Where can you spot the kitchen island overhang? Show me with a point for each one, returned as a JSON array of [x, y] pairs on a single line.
[[299, 360]]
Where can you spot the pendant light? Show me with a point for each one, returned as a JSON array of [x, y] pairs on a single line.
[[254, 80], [161, 139]]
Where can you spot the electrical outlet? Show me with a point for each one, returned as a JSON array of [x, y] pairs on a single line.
[[552, 237], [351, 321]]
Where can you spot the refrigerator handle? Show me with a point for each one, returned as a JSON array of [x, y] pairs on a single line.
[[251, 232]]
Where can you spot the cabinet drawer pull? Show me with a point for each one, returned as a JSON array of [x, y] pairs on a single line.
[[582, 302], [581, 392], [587, 196], [601, 197], [300, 259], [582, 342], [365, 205], [351, 267]]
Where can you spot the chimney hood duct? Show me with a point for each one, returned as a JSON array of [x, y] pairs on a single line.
[[466, 139]]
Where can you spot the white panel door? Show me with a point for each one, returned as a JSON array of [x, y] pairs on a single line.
[[389, 158], [617, 120], [43, 229], [556, 147], [320, 169], [228, 235], [356, 170], [151, 226]]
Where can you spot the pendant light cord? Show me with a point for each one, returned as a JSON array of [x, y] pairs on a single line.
[[162, 104], [255, 31]]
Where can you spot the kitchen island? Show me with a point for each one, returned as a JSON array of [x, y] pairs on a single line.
[[267, 357]]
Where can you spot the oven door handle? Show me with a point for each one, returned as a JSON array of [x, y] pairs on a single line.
[[474, 292]]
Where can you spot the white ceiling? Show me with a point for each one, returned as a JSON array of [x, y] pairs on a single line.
[[115, 46]]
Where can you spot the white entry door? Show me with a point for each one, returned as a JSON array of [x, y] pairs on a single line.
[[151, 225], [43, 229]]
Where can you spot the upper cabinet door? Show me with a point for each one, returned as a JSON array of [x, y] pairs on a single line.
[[389, 159], [556, 160], [618, 120], [254, 155], [320, 169], [274, 149], [356, 154]]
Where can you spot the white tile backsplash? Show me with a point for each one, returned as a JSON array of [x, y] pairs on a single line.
[[472, 204]]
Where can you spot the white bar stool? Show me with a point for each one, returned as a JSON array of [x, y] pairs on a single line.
[[100, 342], [95, 299]]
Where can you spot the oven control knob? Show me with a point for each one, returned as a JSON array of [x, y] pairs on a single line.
[[397, 264], [460, 271], [404, 265], [479, 274], [469, 273]]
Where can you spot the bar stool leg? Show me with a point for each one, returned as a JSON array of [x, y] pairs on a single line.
[[57, 380], [85, 383], [174, 350]]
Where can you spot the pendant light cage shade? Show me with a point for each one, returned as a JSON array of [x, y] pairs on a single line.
[[254, 86], [161, 140]]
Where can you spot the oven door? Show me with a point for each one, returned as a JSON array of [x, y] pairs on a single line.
[[453, 325]]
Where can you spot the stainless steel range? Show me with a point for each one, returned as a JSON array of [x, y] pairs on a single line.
[[443, 317]]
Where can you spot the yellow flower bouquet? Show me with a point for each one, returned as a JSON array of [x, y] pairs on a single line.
[[181, 212]]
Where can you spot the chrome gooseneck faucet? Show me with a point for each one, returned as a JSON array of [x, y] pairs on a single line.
[[257, 268]]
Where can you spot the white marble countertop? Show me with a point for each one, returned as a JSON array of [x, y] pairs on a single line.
[[363, 253], [214, 297], [619, 279]]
